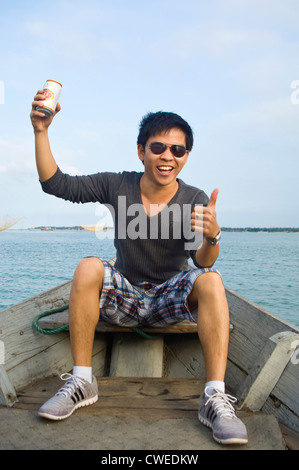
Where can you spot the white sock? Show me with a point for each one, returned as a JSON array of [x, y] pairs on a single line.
[[216, 385], [83, 372]]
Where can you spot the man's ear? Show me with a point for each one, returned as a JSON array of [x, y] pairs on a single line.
[[140, 151]]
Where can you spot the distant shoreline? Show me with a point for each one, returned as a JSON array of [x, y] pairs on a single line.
[[261, 229], [224, 229]]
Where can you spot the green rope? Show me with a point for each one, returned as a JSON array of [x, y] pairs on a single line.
[[65, 327], [142, 333], [45, 314]]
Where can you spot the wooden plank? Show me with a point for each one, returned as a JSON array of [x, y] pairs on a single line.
[[21, 341], [8, 394], [131, 397], [60, 319], [56, 359], [133, 356], [253, 326], [183, 357], [283, 414], [287, 389], [291, 437], [30, 355], [267, 370]]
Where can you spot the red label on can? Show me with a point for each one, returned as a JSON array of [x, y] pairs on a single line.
[[48, 94]]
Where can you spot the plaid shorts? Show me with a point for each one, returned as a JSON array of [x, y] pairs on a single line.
[[122, 303]]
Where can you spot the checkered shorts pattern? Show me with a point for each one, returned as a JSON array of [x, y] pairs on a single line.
[[148, 304]]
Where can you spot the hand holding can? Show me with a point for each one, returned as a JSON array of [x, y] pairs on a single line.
[[51, 92]]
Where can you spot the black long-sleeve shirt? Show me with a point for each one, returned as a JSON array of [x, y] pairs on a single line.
[[151, 248]]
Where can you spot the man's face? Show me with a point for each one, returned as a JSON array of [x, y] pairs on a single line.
[[164, 168]]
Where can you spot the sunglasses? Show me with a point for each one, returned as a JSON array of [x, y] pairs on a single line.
[[177, 151]]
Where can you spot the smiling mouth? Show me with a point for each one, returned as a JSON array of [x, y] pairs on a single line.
[[165, 169]]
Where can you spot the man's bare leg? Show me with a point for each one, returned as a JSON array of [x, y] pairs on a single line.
[[81, 388], [215, 408], [84, 308], [208, 295]]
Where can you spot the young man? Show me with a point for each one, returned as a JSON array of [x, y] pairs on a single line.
[[150, 283]]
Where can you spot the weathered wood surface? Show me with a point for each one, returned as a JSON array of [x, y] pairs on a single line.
[[267, 371], [30, 355], [122, 396], [60, 319], [135, 357], [253, 326], [135, 413], [8, 395], [291, 437]]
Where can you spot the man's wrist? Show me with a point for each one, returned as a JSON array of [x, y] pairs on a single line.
[[40, 131], [214, 241]]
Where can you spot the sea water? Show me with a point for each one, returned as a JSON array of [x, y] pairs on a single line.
[[262, 266]]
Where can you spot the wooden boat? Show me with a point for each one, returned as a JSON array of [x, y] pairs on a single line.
[[263, 362]]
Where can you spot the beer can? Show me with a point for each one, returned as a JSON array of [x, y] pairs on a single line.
[[52, 90]]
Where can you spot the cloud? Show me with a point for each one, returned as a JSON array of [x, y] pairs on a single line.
[[70, 43], [227, 67], [16, 158], [17, 161], [78, 34], [218, 42]]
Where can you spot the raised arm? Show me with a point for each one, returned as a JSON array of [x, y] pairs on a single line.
[[45, 162]]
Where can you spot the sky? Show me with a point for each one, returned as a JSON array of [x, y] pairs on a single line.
[[229, 67]]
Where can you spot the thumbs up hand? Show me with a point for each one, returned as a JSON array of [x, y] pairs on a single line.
[[213, 198], [204, 220]]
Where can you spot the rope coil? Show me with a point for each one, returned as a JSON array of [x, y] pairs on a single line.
[[45, 314], [65, 327]]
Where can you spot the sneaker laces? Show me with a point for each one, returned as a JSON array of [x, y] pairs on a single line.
[[222, 404], [72, 383]]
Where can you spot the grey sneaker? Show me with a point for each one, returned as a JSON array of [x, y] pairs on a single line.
[[216, 412], [75, 393]]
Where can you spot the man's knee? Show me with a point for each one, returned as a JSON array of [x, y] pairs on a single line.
[[89, 272], [208, 285]]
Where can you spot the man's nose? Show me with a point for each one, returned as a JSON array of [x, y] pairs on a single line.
[[167, 155]]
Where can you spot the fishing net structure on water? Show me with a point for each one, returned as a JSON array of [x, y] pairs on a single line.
[[7, 222]]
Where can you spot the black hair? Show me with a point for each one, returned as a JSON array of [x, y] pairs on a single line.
[[159, 122]]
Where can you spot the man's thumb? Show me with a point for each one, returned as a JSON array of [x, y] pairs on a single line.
[[213, 198]]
